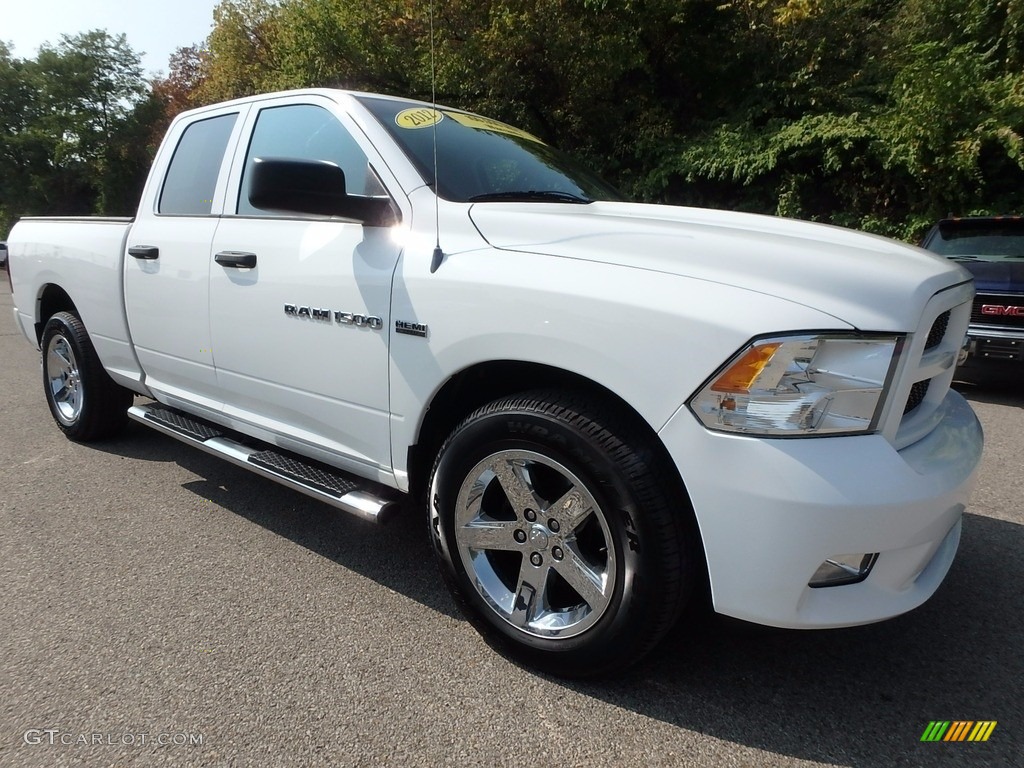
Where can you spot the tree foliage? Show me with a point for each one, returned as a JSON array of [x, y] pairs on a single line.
[[181, 89], [877, 114], [75, 126], [890, 115]]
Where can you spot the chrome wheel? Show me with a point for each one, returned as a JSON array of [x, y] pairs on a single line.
[[555, 523], [535, 544], [64, 380]]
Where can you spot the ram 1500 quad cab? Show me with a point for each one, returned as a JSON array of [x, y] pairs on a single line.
[[603, 408]]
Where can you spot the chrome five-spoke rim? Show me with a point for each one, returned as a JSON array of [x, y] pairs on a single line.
[[535, 544], [63, 379]]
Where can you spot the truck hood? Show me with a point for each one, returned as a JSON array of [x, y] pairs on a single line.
[[869, 282], [997, 276]]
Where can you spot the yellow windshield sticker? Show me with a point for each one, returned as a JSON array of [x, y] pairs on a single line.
[[486, 124], [419, 117]]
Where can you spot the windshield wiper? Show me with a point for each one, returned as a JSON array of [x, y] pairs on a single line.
[[530, 196]]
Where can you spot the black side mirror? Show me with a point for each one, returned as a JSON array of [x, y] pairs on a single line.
[[314, 187]]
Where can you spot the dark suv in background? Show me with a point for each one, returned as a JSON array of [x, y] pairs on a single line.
[[992, 248]]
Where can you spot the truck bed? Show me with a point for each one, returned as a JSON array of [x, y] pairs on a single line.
[[83, 255]]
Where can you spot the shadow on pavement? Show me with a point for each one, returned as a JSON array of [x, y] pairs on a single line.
[[860, 696], [997, 392], [398, 555]]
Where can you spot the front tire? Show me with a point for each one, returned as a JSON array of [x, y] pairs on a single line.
[[84, 401], [560, 532]]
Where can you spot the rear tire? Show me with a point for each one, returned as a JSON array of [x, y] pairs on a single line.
[[84, 401], [560, 532]]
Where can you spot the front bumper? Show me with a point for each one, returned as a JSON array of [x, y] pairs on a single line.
[[994, 346], [771, 511]]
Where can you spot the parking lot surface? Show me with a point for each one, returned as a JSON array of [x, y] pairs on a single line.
[[160, 607]]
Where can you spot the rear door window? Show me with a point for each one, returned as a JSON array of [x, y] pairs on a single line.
[[192, 176]]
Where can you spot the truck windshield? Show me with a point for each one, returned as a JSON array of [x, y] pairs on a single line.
[[979, 240], [483, 160]]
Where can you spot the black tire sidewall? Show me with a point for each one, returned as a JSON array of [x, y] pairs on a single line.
[[635, 589]]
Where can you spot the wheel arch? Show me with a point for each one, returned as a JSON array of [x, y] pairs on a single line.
[[478, 385], [51, 300], [485, 382]]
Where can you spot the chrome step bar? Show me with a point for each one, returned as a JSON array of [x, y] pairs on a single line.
[[327, 484]]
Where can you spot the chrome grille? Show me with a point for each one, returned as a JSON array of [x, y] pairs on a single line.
[[929, 361]]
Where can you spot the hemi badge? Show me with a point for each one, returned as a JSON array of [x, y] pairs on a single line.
[[410, 329]]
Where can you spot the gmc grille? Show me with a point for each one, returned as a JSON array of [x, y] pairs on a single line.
[[998, 300]]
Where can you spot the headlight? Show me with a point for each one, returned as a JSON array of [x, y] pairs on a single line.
[[790, 386]]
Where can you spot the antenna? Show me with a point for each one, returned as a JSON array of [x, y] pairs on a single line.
[[438, 256]]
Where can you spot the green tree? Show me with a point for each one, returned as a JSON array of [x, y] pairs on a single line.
[[243, 50], [20, 151], [74, 119], [878, 114], [374, 45]]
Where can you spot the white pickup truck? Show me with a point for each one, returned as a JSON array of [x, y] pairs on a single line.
[[605, 408]]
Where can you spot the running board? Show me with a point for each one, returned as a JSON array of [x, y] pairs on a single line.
[[327, 484]]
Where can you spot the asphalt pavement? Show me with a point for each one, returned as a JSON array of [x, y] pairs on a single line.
[[159, 607]]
